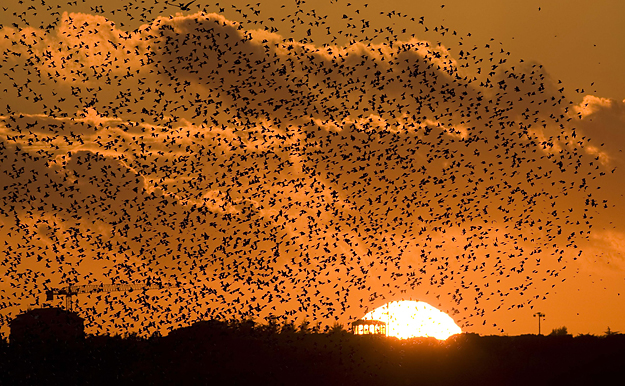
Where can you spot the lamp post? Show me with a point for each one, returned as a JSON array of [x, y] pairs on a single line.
[[540, 316]]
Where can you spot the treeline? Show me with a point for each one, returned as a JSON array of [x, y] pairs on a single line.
[[244, 353]]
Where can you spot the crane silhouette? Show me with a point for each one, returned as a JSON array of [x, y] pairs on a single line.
[[71, 290]]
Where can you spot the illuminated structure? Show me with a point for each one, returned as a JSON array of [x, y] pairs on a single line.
[[366, 327]]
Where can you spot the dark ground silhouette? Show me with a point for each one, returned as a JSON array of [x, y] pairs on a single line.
[[215, 353]]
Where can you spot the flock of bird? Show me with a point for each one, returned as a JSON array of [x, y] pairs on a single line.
[[263, 173]]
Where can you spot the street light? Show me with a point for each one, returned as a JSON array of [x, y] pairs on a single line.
[[540, 316]]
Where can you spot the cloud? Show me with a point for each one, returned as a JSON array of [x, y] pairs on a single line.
[[603, 121]]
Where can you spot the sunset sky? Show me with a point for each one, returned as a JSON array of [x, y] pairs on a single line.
[[315, 160]]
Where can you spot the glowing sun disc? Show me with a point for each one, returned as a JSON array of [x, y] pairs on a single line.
[[409, 318]]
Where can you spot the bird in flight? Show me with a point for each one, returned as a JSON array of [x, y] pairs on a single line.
[[183, 6]]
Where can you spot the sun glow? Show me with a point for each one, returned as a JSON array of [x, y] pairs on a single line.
[[408, 318]]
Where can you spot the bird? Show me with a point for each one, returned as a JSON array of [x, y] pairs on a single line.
[[183, 6]]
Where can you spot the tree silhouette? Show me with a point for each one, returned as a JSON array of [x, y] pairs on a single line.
[[560, 331], [304, 326], [246, 326], [272, 326], [288, 327], [336, 328]]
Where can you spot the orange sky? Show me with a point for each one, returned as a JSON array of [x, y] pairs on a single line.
[[318, 178]]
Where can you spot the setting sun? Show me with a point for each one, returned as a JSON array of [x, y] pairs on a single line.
[[408, 319]]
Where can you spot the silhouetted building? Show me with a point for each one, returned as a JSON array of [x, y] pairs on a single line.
[[46, 325], [365, 327]]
